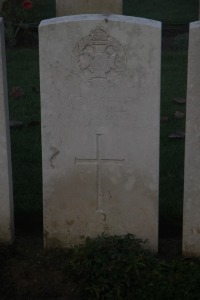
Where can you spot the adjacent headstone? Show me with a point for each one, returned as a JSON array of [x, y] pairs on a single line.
[[6, 203], [100, 98], [191, 214], [74, 7]]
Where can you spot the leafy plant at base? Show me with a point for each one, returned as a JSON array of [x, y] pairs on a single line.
[[118, 268], [111, 267]]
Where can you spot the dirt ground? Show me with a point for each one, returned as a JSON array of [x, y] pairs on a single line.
[[27, 271]]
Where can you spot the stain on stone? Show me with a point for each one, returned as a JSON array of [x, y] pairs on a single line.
[[72, 204], [70, 223], [51, 242], [195, 230], [53, 156]]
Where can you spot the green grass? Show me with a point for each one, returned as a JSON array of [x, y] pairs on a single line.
[[48, 10], [23, 71], [174, 73], [117, 267], [168, 11]]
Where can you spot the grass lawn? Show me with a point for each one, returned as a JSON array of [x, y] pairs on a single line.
[[174, 77], [168, 11], [23, 71]]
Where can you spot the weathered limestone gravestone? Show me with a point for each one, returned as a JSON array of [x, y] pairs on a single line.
[[6, 203], [100, 97], [74, 7], [191, 213]]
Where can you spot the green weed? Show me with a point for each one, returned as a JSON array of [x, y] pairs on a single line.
[[118, 268]]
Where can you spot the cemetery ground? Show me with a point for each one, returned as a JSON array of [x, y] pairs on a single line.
[[28, 272], [107, 267]]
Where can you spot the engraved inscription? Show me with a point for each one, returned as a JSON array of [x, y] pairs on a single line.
[[108, 113], [99, 56], [98, 161], [91, 110]]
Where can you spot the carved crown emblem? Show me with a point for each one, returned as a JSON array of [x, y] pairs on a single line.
[[99, 36], [99, 56]]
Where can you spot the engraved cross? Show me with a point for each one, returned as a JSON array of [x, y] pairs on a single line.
[[98, 161]]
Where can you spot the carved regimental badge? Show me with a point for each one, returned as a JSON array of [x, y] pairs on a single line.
[[99, 56]]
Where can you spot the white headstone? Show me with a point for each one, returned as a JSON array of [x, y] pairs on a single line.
[[74, 7], [100, 98], [191, 212], [6, 202]]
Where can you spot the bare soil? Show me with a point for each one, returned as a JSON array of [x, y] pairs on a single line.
[[27, 271]]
